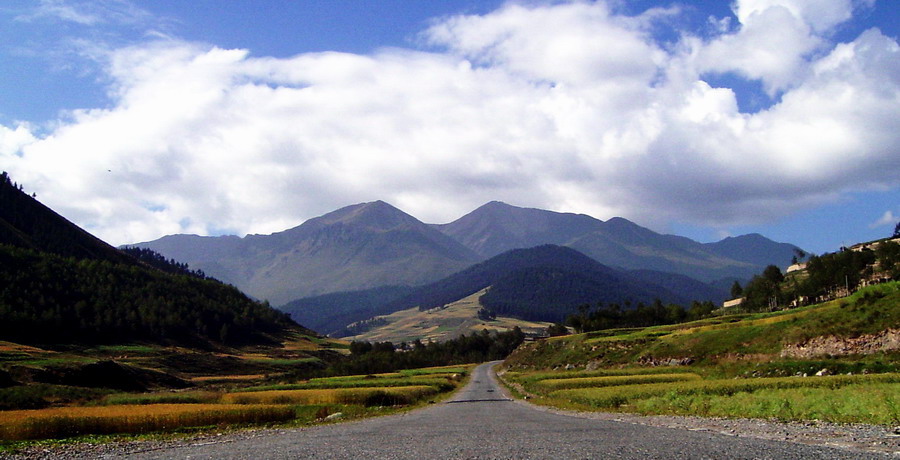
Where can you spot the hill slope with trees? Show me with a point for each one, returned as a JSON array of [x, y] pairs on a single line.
[[59, 284]]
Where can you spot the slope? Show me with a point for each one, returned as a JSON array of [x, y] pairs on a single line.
[[768, 344], [62, 285], [357, 247], [543, 283], [26, 223], [330, 313], [441, 323]]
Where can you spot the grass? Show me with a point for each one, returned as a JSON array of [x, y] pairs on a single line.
[[714, 340], [40, 395], [854, 403], [188, 397], [367, 396], [102, 412], [73, 421], [745, 365], [612, 398], [609, 381], [441, 384]]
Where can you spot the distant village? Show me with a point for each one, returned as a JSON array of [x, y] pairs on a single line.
[[874, 273]]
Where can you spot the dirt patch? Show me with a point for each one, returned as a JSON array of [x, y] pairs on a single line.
[[888, 340]]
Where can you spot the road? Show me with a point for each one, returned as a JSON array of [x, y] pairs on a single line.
[[480, 422]]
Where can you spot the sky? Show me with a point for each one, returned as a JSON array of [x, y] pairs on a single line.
[[138, 119]]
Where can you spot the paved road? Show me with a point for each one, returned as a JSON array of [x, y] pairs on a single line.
[[480, 422]]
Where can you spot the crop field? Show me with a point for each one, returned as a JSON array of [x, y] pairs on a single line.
[[615, 380], [761, 365], [94, 412], [872, 398], [400, 395], [73, 421]]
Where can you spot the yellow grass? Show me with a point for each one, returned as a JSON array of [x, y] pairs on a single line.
[[15, 347], [326, 396], [460, 317], [227, 378], [73, 421]]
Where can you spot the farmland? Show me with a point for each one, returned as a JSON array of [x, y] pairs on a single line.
[[834, 362], [291, 404]]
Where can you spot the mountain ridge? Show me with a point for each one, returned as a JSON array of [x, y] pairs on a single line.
[[357, 247]]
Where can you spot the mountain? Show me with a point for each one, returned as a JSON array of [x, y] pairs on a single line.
[[496, 227], [26, 223], [61, 285], [354, 248], [330, 313], [543, 283], [683, 286], [441, 324], [754, 248]]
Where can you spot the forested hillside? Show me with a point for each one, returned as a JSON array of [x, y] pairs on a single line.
[[544, 283], [59, 284], [26, 223], [332, 312]]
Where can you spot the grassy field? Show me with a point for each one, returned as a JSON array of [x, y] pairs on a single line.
[[836, 361], [298, 403], [74, 421], [56, 393]]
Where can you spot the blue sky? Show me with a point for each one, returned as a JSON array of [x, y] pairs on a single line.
[[137, 119]]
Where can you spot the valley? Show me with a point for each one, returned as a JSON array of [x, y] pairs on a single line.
[[442, 323], [98, 343]]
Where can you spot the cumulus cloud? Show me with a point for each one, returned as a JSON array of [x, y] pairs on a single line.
[[562, 106]]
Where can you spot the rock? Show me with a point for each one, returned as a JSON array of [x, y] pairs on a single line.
[[334, 416], [570, 367], [823, 372]]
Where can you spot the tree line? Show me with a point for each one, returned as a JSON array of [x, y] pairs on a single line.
[[613, 315], [825, 277], [378, 357]]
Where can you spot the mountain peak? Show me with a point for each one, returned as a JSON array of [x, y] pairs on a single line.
[[376, 215]]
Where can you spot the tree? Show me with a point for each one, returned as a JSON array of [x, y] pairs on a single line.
[[799, 255], [773, 273], [736, 290], [557, 329], [897, 230]]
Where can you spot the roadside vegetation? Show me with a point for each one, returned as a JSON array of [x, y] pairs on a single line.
[[835, 361], [301, 403]]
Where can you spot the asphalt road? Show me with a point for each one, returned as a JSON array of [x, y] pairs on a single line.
[[480, 422]]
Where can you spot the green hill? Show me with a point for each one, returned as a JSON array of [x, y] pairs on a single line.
[[845, 335], [61, 285]]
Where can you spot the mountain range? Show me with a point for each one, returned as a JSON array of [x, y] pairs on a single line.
[[543, 283], [374, 244]]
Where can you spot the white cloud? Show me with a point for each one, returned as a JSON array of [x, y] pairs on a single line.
[[88, 12], [13, 140], [888, 218], [565, 107], [820, 15]]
